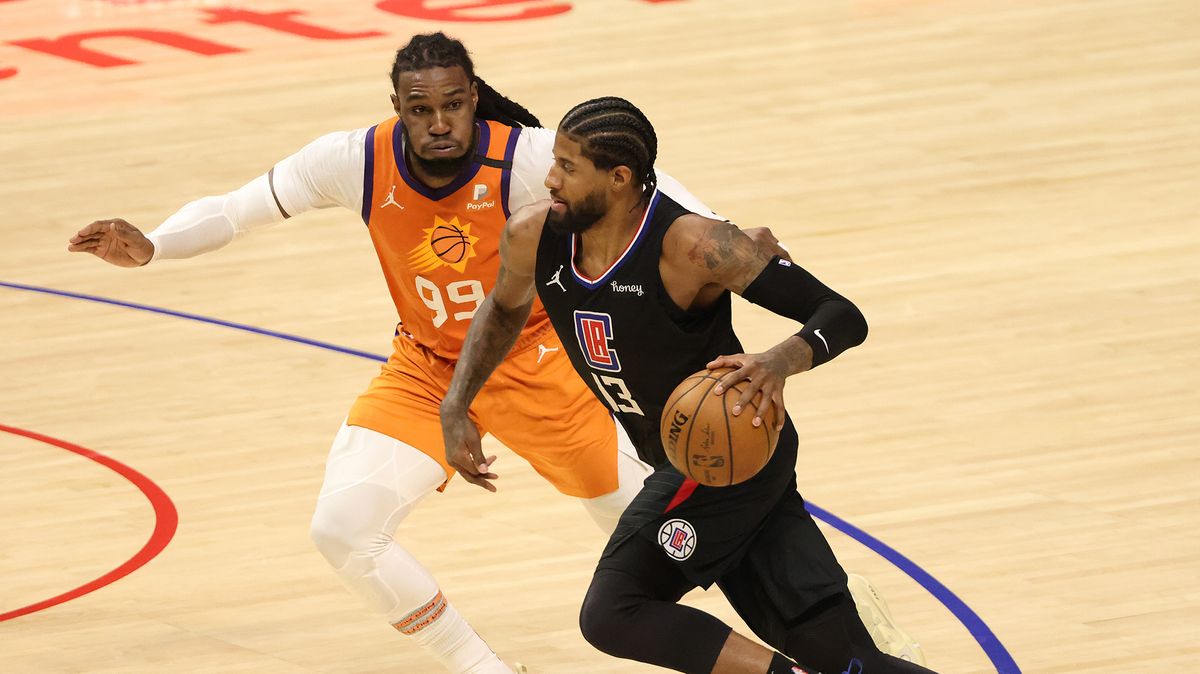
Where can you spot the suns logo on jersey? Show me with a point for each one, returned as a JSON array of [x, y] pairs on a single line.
[[446, 244], [594, 332]]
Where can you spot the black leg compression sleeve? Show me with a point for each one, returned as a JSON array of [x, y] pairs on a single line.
[[834, 641], [631, 612]]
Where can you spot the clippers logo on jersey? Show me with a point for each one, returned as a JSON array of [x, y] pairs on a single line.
[[446, 244], [678, 538], [594, 332]]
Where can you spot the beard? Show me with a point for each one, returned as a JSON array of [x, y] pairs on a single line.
[[441, 167], [579, 218]]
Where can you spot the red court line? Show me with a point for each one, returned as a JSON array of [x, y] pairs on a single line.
[[166, 520]]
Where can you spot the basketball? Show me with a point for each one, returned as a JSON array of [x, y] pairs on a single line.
[[705, 441], [449, 243]]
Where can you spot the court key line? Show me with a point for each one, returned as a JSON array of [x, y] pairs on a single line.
[[166, 521], [983, 635]]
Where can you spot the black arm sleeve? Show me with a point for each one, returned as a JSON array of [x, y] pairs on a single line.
[[832, 323]]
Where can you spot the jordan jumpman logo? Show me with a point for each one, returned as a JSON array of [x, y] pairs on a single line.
[[391, 200], [557, 279]]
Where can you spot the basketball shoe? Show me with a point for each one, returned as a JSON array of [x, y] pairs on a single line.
[[874, 613]]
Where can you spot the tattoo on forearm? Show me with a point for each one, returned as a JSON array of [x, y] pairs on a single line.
[[494, 330]]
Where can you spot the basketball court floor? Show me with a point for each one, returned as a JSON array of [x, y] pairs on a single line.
[[1009, 190]]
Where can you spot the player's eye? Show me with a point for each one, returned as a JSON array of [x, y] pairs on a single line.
[[454, 105], [417, 110]]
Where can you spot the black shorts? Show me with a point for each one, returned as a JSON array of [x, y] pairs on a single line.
[[754, 539]]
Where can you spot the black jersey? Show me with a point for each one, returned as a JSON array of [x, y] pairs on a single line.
[[624, 334], [633, 345]]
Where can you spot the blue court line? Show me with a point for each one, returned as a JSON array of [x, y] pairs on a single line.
[[982, 634], [196, 317]]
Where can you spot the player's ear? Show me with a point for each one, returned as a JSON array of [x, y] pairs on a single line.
[[396, 103], [474, 94], [619, 176]]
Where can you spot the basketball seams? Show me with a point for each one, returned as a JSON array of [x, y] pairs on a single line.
[[669, 409], [728, 434], [687, 455], [735, 428], [671, 403]]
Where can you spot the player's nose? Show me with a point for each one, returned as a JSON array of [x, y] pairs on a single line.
[[440, 126]]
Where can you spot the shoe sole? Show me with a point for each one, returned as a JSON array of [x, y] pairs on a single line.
[[896, 642]]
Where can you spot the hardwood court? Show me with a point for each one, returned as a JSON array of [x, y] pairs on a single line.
[[1008, 190]]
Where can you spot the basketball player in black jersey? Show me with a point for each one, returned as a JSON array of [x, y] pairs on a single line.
[[638, 288]]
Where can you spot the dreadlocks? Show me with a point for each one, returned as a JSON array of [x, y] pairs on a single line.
[[437, 50], [614, 132]]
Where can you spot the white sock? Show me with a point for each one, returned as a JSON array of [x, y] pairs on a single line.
[[443, 633]]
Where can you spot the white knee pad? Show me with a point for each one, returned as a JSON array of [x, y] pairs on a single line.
[[372, 482], [631, 473]]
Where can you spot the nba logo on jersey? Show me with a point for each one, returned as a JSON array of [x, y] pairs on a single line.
[[678, 538], [594, 332]]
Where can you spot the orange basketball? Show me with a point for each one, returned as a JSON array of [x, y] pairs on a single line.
[[703, 439]]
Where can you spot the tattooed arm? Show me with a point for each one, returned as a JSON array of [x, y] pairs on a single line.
[[494, 329], [703, 258]]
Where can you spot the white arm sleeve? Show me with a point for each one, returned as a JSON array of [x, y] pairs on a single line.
[[531, 162], [326, 172]]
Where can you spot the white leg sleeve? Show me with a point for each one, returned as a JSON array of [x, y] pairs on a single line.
[[372, 482], [631, 473]]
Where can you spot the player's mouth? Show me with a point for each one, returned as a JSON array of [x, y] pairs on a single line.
[[557, 205], [446, 149]]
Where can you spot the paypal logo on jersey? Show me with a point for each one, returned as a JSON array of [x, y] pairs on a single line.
[[594, 332], [480, 191]]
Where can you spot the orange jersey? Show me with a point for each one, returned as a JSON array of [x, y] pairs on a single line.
[[440, 248]]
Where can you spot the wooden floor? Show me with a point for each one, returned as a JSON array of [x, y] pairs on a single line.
[[1010, 191]]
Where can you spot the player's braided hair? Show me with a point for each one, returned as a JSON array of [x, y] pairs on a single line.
[[614, 132], [438, 50]]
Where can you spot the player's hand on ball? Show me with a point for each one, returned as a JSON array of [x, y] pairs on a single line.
[[464, 452], [763, 372], [114, 241]]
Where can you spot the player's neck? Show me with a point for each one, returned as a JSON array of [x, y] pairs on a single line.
[[604, 241]]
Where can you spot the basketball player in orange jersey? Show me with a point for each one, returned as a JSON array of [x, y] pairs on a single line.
[[434, 186], [645, 302]]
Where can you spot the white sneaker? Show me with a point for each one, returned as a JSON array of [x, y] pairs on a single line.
[[874, 613]]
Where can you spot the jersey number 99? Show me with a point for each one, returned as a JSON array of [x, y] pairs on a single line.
[[460, 293]]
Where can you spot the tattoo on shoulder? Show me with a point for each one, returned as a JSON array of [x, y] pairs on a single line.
[[723, 248]]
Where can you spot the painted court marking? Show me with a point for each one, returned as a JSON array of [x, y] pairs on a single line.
[[983, 635], [166, 520]]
